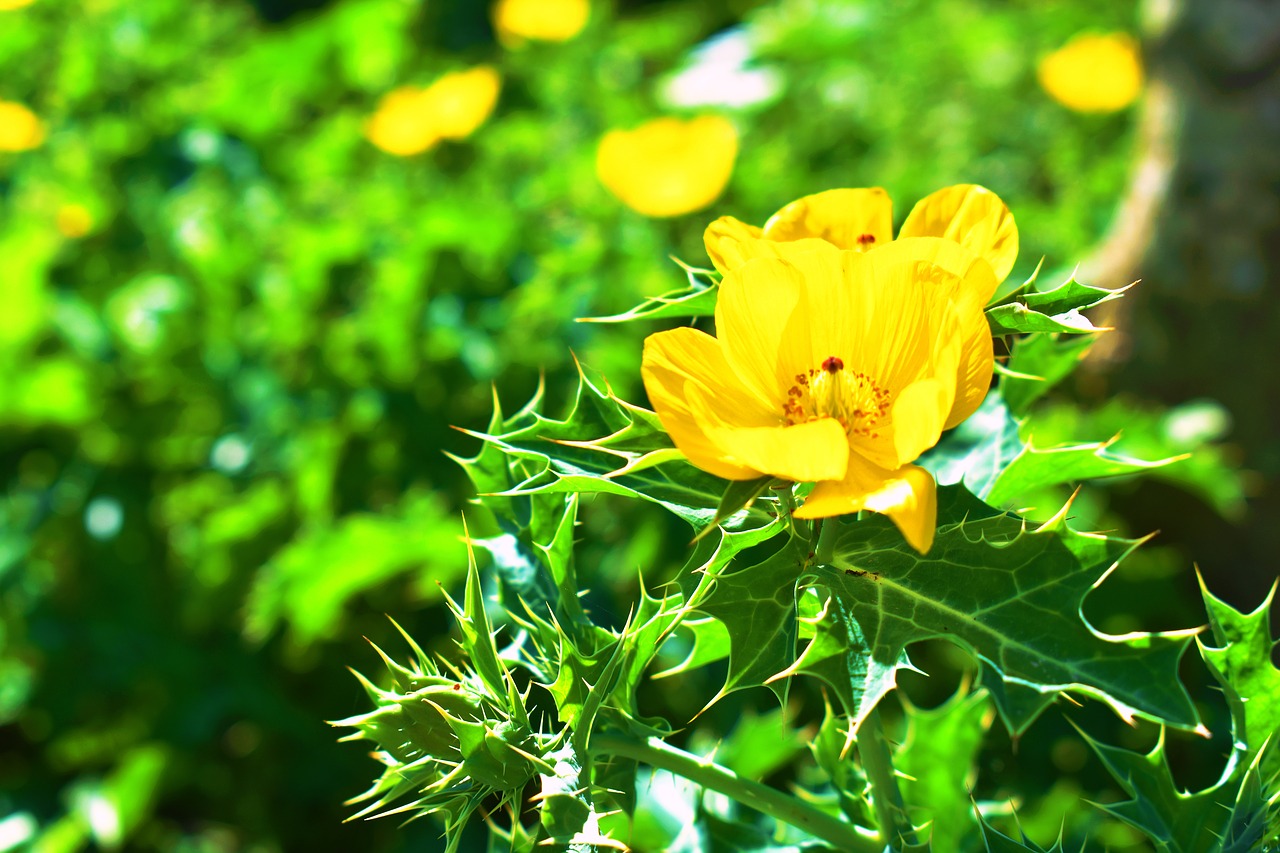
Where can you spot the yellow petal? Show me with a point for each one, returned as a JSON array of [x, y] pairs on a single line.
[[976, 365], [846, 218], [1094, 73], [727, 239], [975, 281], [20, 128], [902, 315], [667, 166], [972, 216], [817, 450], [458, 103], [972, 283], [541, 20], [678, 360], [920, 412], [762, 328], [908, 496], [731, 243]]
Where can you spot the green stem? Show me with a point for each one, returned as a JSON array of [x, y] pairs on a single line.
[[877, 762], [656, 752]]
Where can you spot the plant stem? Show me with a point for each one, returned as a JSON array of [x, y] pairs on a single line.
[[655, 752], [877, 762]]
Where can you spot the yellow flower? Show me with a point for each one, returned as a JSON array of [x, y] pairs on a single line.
[[74, 220], [9, 5], [862, 219], [540, 20], [410, 120], [20, 129], [1094, 73], [667, 166], [837, 366]]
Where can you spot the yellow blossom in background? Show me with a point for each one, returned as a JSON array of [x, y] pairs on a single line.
[[20, 129], [9, 5], [74, 220], [832, 366], [668, 166], [1094, 73], [539, 20], [410, 120]]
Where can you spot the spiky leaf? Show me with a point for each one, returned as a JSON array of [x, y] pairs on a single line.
[[938, 760], [1010, 595], [698, 299]]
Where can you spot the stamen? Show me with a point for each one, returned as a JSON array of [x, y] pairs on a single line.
[[866, 239], [849, 396]]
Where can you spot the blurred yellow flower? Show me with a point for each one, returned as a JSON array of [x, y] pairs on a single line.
[[9, 5], [1094, 73], [74, 220], [832, 366], [668, 166], [540, 20], [410, 120], [20, 129]]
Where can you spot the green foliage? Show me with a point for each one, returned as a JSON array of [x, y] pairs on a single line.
[[228, 395], [762, 597]]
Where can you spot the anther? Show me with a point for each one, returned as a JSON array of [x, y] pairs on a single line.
[[832, 364], [866, 239]]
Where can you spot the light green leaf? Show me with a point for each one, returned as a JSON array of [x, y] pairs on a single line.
[[1047, 358], [1056, 310], [1016, 318], [1145, 432], [308, 582], [1034, 469], [698, 299], [937, 761], [1241, 661]]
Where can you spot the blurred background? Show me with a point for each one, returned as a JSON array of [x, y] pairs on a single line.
[[258, 258]]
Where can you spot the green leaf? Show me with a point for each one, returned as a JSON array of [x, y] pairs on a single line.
[[1177, 822], [606, 445], [1010, 595], [978, 450], [938, 763], [698, 299], [1071, 295], [1016, 318], [1145, 432], [1034, 469], [759, 744], [998, 842], [1241, 661], [756, 604], [309, 581], [1056, 310], [1047, 360]]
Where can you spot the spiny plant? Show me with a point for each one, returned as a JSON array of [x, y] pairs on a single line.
[[538, 726]]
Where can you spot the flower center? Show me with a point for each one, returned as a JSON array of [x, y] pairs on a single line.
[[850, 396], [865, 241]]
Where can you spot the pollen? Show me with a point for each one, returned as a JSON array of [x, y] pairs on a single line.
[[866, 239], [852, 397]]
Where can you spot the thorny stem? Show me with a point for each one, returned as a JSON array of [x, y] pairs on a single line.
[[891, 811], [657, 753]]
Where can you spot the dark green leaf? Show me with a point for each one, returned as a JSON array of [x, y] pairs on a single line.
[[1010, 595]]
